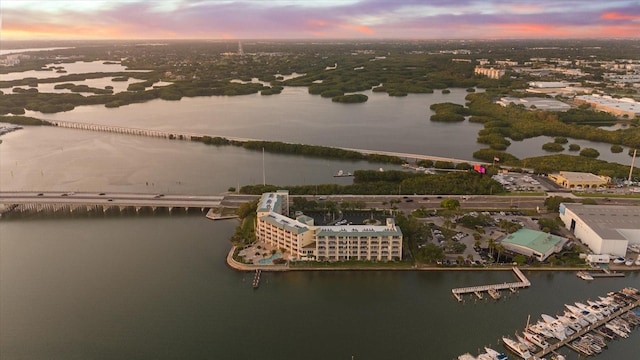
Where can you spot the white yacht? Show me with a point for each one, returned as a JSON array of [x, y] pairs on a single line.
[[494, 354], [618, 331], [579, 319], [556, 327], [574, 325], [540, 329], [587, 315], [595, 312], [531, 346], [609, 301], [604, 309], [517, 347], [536, 339]]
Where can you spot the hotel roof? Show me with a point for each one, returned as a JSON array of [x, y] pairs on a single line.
[[611, 222], [286, 223], [270, 202], [359, 230]]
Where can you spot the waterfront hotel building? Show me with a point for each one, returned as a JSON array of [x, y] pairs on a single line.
[[304, 240]]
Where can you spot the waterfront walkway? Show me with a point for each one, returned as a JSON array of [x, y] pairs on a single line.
[[181, 135]]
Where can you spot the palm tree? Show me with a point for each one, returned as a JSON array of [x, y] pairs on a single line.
[[491, 245], [500, 249]]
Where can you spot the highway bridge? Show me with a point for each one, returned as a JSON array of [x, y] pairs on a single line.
[[84, 201], [181, 135]]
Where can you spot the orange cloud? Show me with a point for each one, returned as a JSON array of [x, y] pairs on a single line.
[[622, 31], [61, 31], [359, 28], [530, 29], [618, 16]]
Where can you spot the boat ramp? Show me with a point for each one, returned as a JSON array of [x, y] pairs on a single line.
[[493, 289]]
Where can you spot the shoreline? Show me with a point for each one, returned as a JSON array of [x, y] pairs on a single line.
[[238, 266]]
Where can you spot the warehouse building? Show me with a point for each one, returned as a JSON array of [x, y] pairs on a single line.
[[605, 229]]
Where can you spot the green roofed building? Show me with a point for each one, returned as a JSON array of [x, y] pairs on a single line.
[[532, 243]]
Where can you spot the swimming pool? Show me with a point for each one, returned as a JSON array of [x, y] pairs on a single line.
[[269, 260]]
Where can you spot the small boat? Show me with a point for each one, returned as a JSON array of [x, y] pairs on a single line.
[[638, 261], [466, 356], [619, 260], [494, 354], [495, 294], [629, 262], [342, 174], [584, 275], [517, 347]]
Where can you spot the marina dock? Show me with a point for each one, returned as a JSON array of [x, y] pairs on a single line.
[[591, 339], [591, 327], [495, 288], [256, 279]]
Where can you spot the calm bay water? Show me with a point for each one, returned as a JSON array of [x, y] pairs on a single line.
[[158, 288]]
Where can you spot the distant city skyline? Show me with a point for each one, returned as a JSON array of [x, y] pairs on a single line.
[[318, 19]]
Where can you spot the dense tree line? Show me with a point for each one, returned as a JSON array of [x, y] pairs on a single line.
[[366, 183], [23, 120], [517, 123]]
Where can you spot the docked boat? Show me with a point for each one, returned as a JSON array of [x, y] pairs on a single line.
[[530, 346], [517, 347], [604, 309], [584, 275], [466, 356], [536, 339], [629, 262], [587, 315], [619, 260], [576, 319], [495, 294], [595, 312], [574, 325], [484, 356], [540, 329], [494, 354], [556, 327], [638, 261], [616, 330]]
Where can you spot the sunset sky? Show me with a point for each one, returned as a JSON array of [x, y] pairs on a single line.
[[318, 19]]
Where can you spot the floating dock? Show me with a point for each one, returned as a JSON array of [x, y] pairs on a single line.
[[256, 279], [524, 282]]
